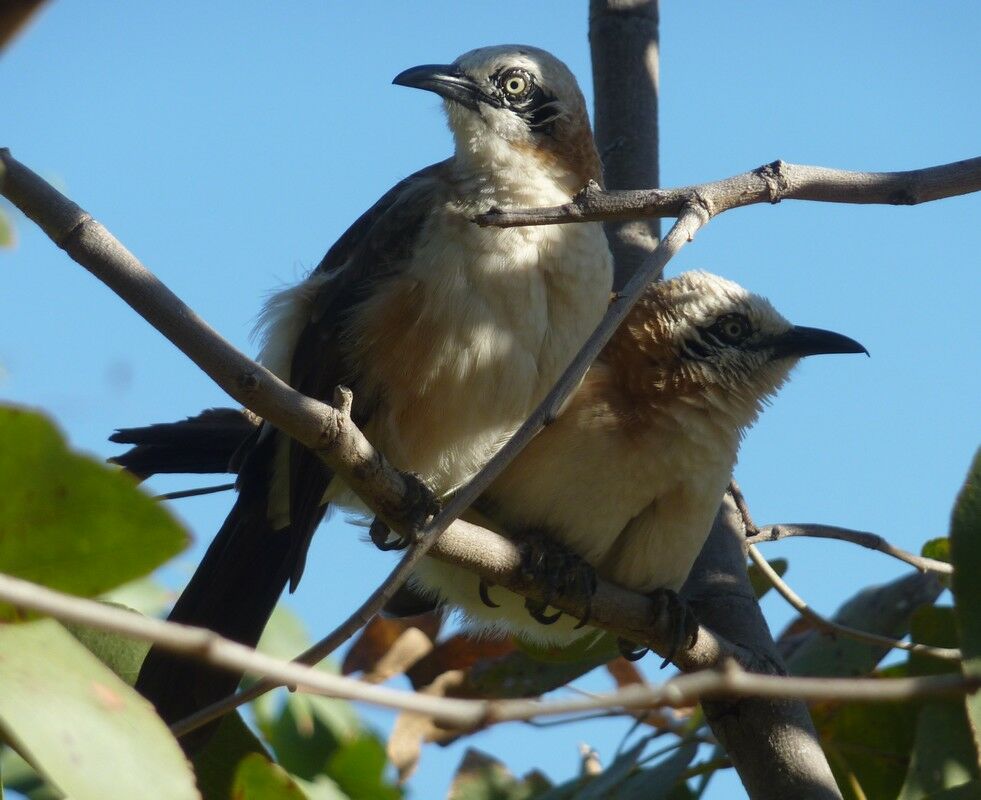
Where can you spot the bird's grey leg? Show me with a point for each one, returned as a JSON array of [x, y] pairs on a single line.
[[559, 570], [681, 619]]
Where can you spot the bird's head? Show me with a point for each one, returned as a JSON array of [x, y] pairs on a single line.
[[707, 342], [513, 104]]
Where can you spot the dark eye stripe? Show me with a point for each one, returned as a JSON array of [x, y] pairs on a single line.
[[696, 349]]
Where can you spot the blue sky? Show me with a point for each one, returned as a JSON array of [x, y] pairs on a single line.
[[229, 144]]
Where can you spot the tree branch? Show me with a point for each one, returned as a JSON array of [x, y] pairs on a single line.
[[498, 560], [682, 691], [399, 499], [623, 38], [800, 605], [872, 541], [770, 183], [772, 743], [822, 623]]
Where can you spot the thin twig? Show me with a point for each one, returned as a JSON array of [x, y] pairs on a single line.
[[800, 605], [180, 495], [774, 533], [828, 626], [681, 691], [770, 183]]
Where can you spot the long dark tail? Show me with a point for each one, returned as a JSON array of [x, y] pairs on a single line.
[[206, 443], [233, 592]]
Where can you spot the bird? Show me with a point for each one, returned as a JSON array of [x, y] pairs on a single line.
[[630, 475], [447, 333], [626, 481]]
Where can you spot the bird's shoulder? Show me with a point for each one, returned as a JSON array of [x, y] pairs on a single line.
[[389, 227]]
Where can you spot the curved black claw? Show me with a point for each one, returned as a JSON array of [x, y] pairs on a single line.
[[631, 650], [483, 590], [537, 611], [681, 619], [384, 538], [558, 571]]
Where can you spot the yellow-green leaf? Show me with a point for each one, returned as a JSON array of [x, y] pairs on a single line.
[[69, 522], [965, 547], [257, 778], [85, 730]]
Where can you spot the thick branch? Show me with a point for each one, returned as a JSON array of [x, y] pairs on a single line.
[[772, 743], [328, 431], [623, 38], [497, 560], [770, 183]]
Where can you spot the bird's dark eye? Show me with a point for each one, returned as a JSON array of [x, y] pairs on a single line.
[[731, 328], [515, 83]]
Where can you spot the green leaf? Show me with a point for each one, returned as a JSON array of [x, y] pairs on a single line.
[[216, 764], [321, 788], [308, 731], [144, 595], [21, 777], [937, 549], [943, 756], [7, 237], [69, 522], [303, 730], [358, 769], [482, 777], [285, 635], [660, 781], [605, 784], [122, 655], [966, 791], [519, 674], [590, 648], [943, 753], [64, 711], [965, 546], [257, 778], [868, 745], [760, 583], [884, 609]]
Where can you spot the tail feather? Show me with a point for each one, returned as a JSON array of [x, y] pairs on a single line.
[[203, 444], [233, 592]]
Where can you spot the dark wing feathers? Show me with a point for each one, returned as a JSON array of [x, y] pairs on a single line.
[[371, 250], [242, 575]]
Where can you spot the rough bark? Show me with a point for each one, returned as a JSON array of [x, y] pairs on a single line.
[[623, 38], [772, 744]]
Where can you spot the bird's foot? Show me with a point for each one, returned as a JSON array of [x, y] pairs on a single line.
[[421, 506], [560, 572], [681, 619], [384, 538]]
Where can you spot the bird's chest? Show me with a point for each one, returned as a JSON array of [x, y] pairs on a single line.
[[480, 325], [632, 502]]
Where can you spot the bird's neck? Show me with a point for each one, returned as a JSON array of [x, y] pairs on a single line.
[[646, 403], [525, 175]]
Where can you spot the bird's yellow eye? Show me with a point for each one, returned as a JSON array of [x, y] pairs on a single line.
[[515, 83], [732, 328]]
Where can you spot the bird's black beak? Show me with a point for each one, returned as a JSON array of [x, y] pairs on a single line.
[[800, 341], [444, 79]]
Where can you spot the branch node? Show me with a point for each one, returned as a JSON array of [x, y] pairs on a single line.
[[343, 401], [248, 381], [773, 176]]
